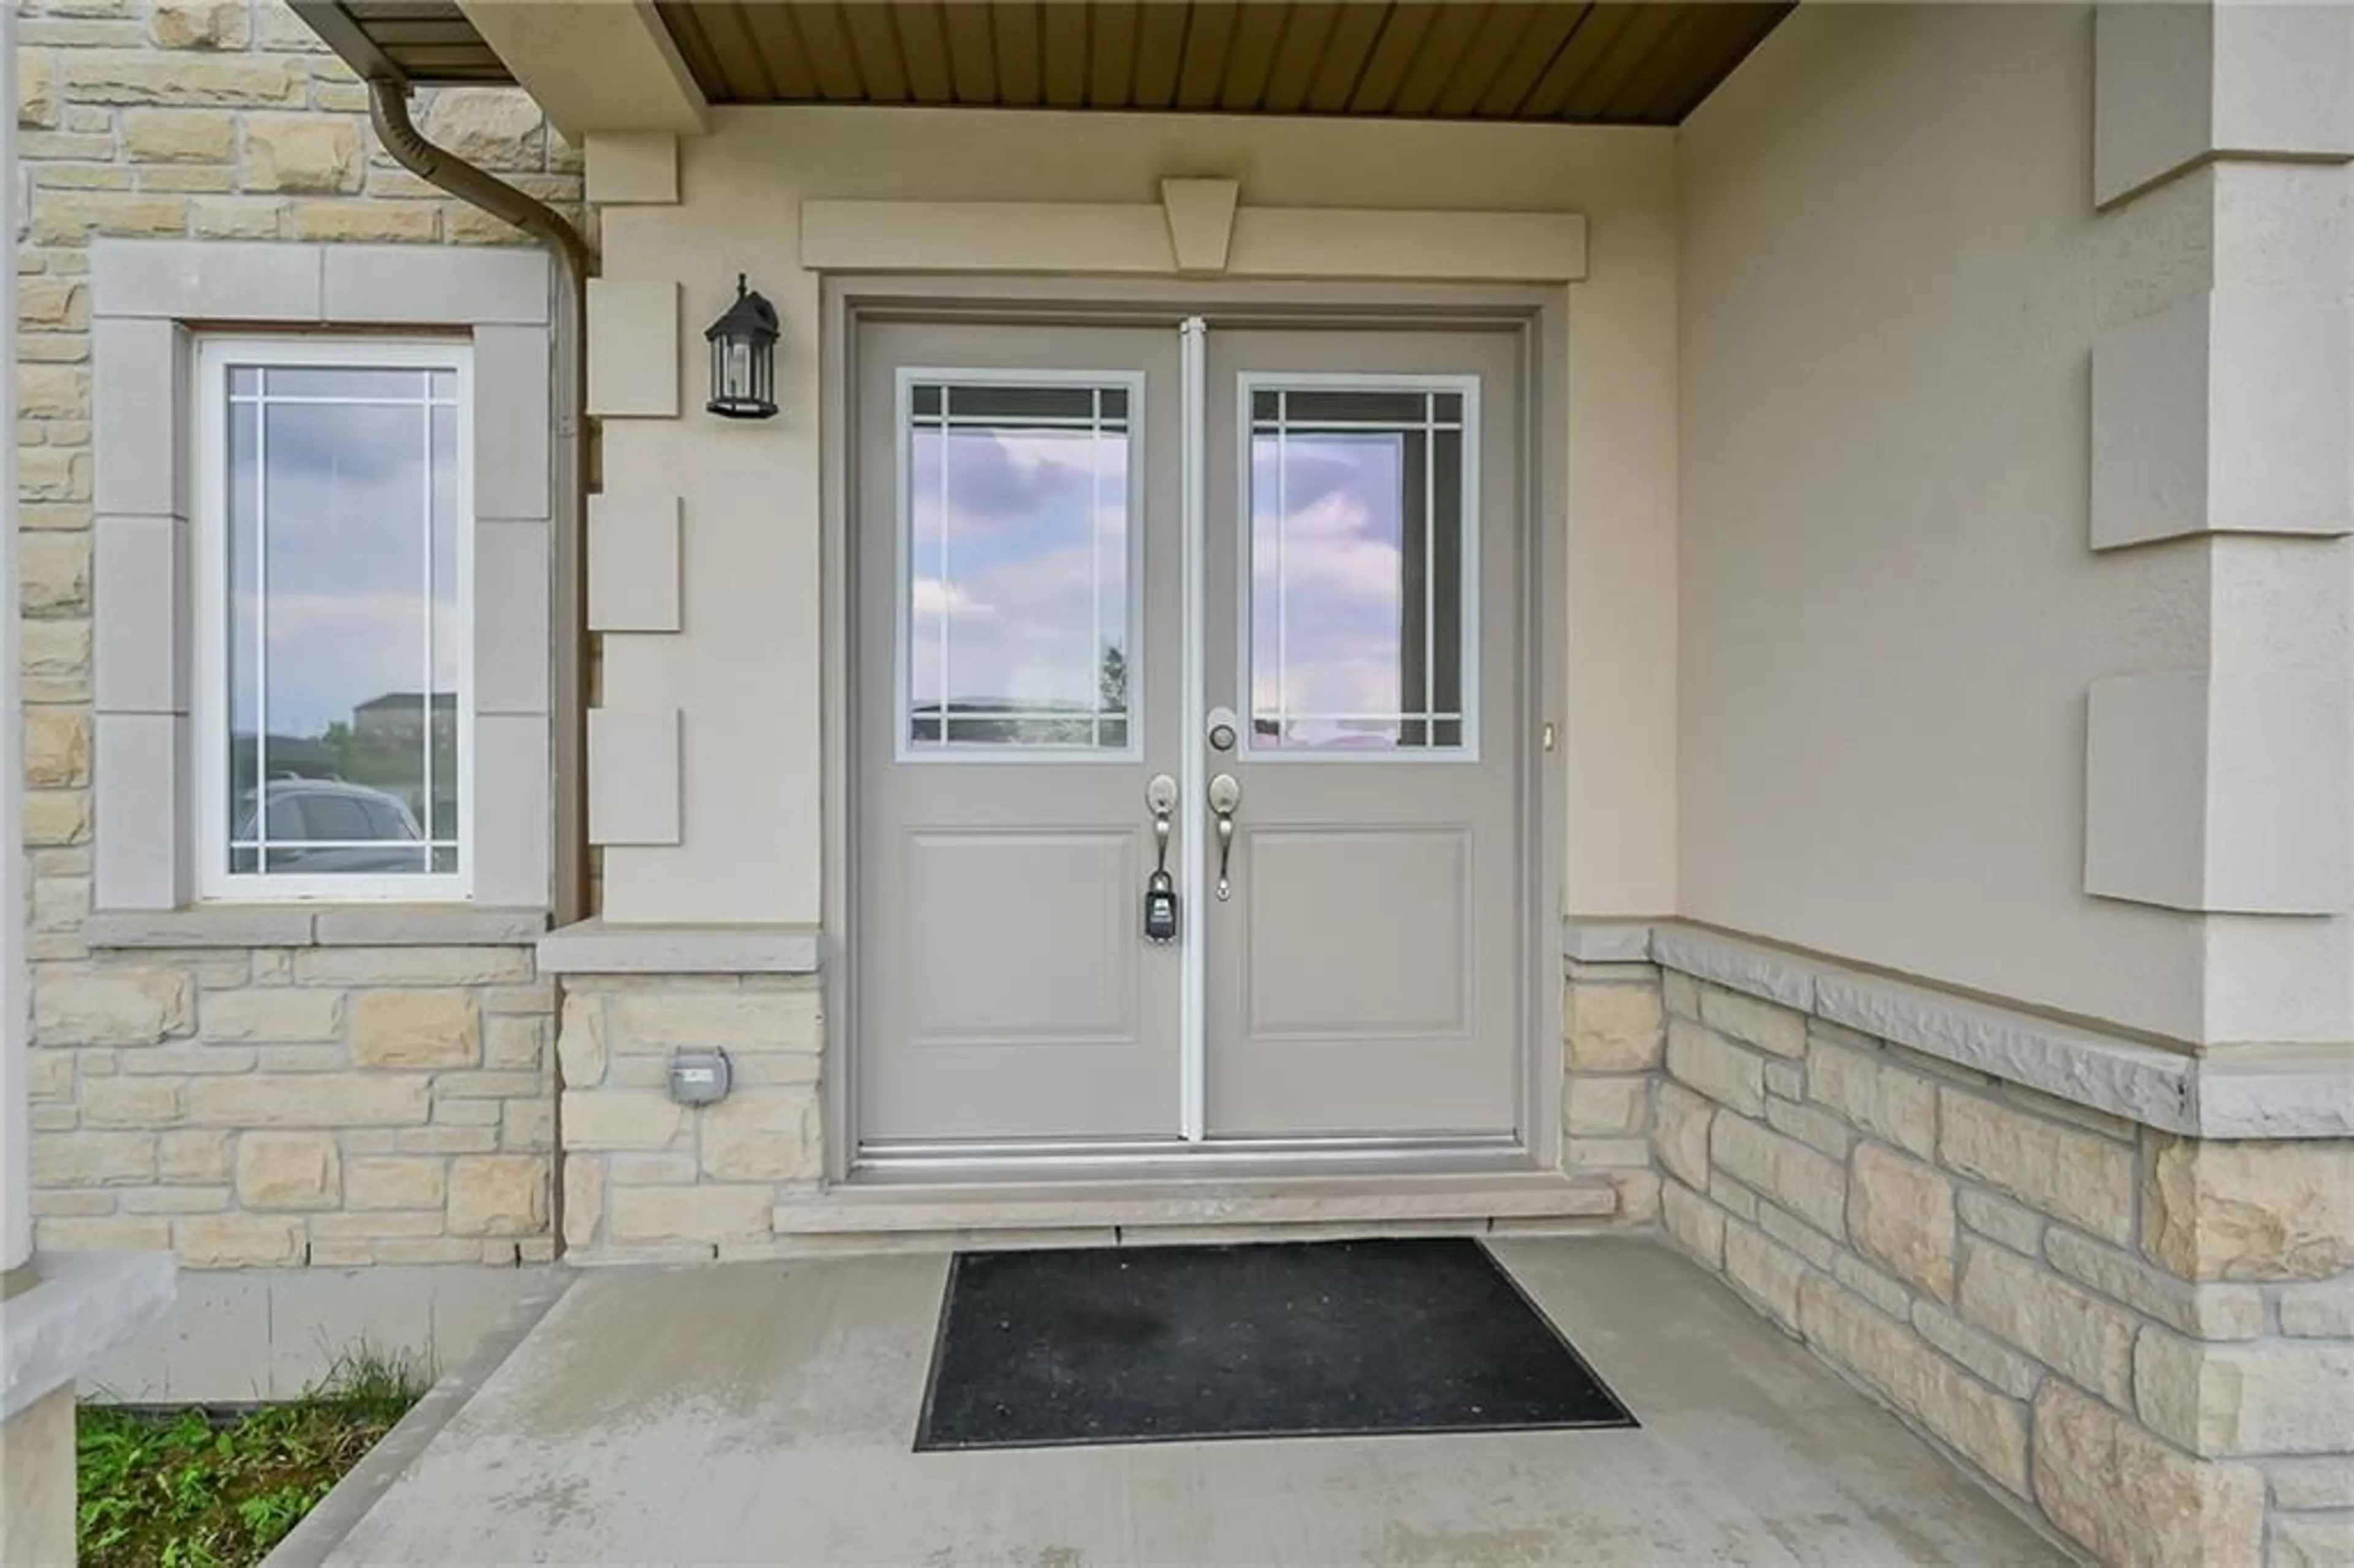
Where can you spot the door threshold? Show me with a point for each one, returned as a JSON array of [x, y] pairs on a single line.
[[1174, 1160], [1226, 1198]]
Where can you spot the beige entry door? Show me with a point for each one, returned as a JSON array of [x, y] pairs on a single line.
[[1260, 587], [1362, 624], [1019, 572]]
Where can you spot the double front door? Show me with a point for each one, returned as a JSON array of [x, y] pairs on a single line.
[[1189, 696]]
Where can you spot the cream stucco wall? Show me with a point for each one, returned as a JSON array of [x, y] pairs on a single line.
[[745, 667], [1890, 609]]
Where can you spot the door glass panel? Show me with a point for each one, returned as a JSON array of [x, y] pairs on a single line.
[[1018, 593], [1359, 528]]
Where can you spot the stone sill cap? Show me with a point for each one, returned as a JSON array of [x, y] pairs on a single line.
[[316, 925], [594, 946], [2283, 1093], [80, 1308]]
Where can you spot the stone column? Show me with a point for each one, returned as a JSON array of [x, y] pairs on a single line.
[[2223, 426]]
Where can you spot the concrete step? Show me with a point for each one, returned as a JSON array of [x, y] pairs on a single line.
[[1470, 1202]]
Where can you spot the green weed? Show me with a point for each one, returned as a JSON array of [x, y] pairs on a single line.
[[201, 1489]]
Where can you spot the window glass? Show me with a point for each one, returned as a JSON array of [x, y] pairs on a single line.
[[348, 383], [1357, 570], [385, 821], [335, 818], [1017, 546], [285, 818], [343, 636]]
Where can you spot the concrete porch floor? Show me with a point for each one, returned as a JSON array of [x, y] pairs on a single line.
[[764, 1412]]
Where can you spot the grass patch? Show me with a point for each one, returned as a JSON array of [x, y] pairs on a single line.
[[199, 1488]]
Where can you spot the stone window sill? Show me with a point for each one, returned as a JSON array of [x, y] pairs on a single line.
[[316, 925]]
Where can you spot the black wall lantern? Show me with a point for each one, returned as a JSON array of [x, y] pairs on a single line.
[[744, 358]]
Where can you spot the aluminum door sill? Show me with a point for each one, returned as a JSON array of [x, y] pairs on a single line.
[[1079, 1201], [1276, 1156]]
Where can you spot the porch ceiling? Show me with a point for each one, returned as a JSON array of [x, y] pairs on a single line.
[[1628, 63], [1613, 64]]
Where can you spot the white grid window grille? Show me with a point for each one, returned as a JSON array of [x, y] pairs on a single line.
[[1017, 594], [335, 618]]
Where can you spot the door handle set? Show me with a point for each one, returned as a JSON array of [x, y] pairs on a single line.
[[1160, 888], [1226, 795]]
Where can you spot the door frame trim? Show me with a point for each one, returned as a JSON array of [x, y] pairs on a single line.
[[1540, 317]]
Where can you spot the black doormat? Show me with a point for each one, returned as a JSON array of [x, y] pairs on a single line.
[[1294, 1339]]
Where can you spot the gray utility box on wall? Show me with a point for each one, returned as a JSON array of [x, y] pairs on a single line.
[[698, 1077]]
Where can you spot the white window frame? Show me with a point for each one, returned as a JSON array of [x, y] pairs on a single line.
[[209, 705]]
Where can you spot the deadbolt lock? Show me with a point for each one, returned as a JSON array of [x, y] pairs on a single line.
[[1223, 729]]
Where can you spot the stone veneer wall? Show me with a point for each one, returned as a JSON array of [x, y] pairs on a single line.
[[2147, 1339], [290, 1106], [646, 1179], [265, 1105], [1614, 1039]]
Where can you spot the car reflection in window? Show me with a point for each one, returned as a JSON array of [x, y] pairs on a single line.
[[328, 826]]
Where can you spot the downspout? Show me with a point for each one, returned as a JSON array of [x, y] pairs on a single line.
[[439, 167]]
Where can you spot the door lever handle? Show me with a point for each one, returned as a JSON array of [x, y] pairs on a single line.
[[1160, 888], [1225, 794], [1160, 800]]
